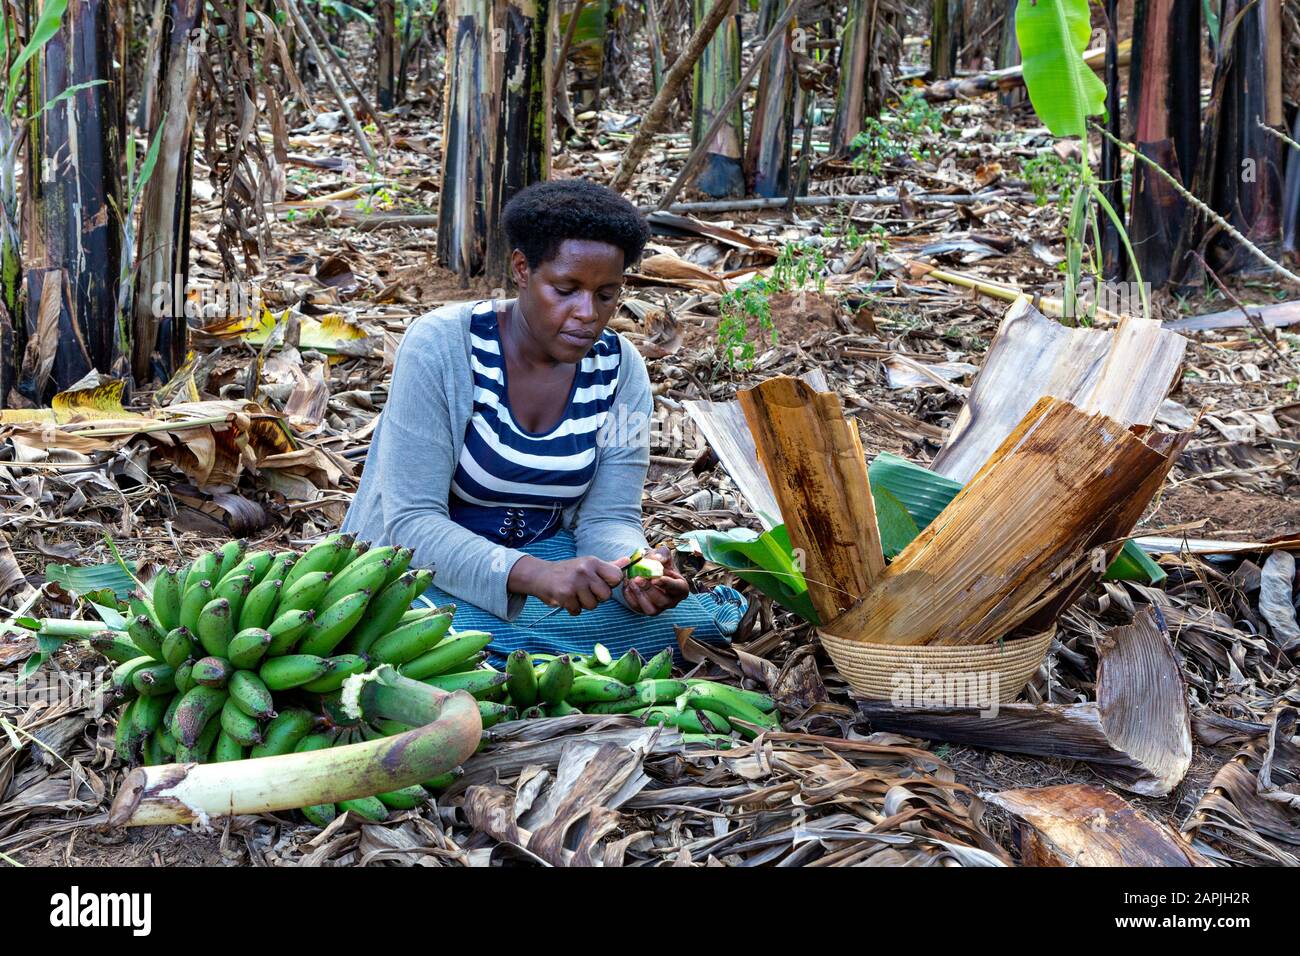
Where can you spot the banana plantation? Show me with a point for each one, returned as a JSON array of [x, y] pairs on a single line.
[[631, 433]]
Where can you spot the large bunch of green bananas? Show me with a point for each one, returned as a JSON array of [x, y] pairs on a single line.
[[243, 654], [545, 685]]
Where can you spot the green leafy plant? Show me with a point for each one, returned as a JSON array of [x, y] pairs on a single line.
[[897, 133], [1048, 175], [748, 307], [1065, 92]]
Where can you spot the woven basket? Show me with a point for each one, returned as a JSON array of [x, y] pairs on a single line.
[[870, 669]]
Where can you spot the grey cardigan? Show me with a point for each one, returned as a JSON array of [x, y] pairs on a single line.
[[417, 442]]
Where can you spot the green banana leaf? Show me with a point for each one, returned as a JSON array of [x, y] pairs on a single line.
[[896, 524], [924, 494], [1053, 35], [84, 580], [764, 560]]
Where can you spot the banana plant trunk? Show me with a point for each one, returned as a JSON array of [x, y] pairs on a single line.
[[1164, 95], [13, 327], [72, 195], [162, 251], [497, 126], [464, 188], [852, 81], [771, 131], [944, 16], [1239, 172], [387, 52], [521, 106], [717, 73]]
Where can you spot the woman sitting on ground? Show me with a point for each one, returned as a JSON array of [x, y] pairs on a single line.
[[512, 452]]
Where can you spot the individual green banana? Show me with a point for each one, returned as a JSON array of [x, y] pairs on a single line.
[[592, 690], [243, 728], [401, 561], [659, 667], [443, 655], [248, 647], [171, 711], [141, 605], [184, 676], [212, 671], [368, 574], [383, 613], [720, 699], [234, 590], [251, 695], [151, 754], [600, 657], [477, 683], [125, 672], [408, 798], [561, 709], [690, 720], [521, 679], [625, 706], [493, 713], [442, 781], [259, 606], [166, 596], [287, 629], [471, 663], [292, 670], [199, 705], [228, 555], [253, 564], [123, 741], [411, 640], [368, 808], [533, 713], [626, 670], [203, 568], [147, 715], [201, 752], [166, 741], [320, 814], [195, 600], [423, 578], [556, 680], [341, 668], [659, 691], [216, 627], [115, 645], [351, 553], [143, 636], [320, 741], [752, 697], [155, 680], [178, 646], [304, 593], [283, 733], [227, 748], [716, 741], [280, 565], [333, 624], [319, 557]]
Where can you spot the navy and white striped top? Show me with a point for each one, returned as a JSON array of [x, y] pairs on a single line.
[[511, 484]]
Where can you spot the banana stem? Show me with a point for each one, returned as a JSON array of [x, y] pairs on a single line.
[[64, 627], [186, 793]]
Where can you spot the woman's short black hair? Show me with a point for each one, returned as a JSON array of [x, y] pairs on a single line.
[[540, 217]]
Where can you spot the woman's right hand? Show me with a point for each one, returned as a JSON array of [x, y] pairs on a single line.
[[575, 584]]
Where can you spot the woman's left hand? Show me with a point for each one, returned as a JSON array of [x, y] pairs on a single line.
[[652, 595]]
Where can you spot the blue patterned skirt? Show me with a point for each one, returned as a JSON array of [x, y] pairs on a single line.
[[713, 614]]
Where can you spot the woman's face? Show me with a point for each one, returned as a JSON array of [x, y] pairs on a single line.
[[570, 298]]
